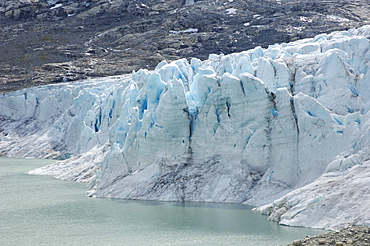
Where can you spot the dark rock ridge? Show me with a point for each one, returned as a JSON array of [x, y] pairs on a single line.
[[51, 41]]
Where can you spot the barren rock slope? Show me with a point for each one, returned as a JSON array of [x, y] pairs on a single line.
[[50, 41]]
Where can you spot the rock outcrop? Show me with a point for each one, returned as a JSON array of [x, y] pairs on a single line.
[[355, 235]]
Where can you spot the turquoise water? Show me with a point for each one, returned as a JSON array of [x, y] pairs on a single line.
[[40, 210]]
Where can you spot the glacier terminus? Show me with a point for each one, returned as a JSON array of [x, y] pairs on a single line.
[[286, 128]]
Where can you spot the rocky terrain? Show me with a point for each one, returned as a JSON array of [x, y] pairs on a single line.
[[51, 41], [356, 235]]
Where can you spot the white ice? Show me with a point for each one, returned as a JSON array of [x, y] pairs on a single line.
[[288, 123]]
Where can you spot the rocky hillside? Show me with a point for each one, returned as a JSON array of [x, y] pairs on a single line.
[[50, 41]]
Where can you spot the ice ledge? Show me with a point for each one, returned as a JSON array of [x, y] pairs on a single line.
[[333, 201]]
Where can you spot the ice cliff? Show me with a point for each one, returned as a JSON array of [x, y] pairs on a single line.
[[286, 126]]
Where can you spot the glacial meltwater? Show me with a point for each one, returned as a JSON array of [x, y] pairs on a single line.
[[40, 210]]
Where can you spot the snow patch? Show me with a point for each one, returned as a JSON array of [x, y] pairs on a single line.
[[337, 18], [190, 30], [58, 5], [231, 11]]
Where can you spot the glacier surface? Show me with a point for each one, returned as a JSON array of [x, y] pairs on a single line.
[[286, 126]]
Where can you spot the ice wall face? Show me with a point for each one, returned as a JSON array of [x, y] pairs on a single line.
[[58, 120], [245, 127]]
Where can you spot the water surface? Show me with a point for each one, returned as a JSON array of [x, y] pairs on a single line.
[[40, 210]]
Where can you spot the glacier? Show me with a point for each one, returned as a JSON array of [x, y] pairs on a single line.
[[284, 128]]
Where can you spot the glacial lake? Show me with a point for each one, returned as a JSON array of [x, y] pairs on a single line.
[[40, 210]]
